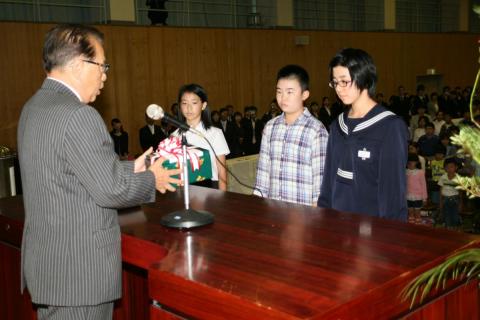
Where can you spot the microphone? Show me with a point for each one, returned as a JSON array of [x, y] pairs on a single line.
[[156, 112]]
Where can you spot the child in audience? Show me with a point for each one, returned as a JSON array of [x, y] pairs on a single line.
[[450, 149], [420, 129], [192, 99], [437, 164], [437, 169], [416, 189], [428, 142], [449, 195], [413, 148]]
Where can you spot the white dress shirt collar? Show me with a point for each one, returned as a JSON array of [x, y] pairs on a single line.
[[68, 86]]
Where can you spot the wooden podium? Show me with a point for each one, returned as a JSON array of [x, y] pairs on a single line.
[[261, 259]]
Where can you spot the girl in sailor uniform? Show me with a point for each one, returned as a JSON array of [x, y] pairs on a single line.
[[367, 146]]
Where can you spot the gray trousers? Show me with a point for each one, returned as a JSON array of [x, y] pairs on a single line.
[[99, 312]]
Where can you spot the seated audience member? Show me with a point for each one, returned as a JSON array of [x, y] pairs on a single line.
[[449, 195], [438, 122], [120, 139], [420, 129], [428, 142], [150, 135], [420, 114]]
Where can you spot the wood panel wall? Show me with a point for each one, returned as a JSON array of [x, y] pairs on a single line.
[[236, 66]]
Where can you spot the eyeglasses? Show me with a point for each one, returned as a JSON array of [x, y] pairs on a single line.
[[342, 83], [104, 66]]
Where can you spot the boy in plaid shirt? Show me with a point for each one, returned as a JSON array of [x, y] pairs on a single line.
[[293, 149]]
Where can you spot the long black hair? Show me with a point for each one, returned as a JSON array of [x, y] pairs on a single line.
[[206, 118]]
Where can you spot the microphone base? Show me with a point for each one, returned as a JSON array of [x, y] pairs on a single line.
[[186, 219]]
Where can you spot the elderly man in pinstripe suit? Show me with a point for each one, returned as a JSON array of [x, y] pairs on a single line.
[[74, 182]]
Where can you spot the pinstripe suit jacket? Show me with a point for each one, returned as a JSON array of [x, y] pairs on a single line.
[[73, 182]]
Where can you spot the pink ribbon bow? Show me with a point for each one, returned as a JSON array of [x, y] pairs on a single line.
[[172, 148]]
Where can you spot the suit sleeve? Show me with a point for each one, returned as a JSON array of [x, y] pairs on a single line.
[[262, 185], [109, 181], [392, 182]]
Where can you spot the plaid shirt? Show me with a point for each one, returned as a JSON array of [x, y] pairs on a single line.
[[290, 165]]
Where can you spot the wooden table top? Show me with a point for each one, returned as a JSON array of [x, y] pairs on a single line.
[[277, 259], [300, 261]]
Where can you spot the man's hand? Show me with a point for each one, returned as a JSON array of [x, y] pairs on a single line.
[[163, 177]]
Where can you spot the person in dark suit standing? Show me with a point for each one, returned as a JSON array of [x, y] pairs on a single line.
[[400, 104], [120, 139], [325, 114], [151, 134], [253, 129], [74, 183]]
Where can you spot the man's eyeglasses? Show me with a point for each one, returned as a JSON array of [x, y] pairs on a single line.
[[103, 66], [342, 83]]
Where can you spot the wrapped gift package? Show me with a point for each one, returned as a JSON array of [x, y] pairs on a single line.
[[198, 160]]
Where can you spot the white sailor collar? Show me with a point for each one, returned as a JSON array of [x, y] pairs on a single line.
[[368, 122]]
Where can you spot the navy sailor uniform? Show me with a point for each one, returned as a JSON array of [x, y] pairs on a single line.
[[365, 165]]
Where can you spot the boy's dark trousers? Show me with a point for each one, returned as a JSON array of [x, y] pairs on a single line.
[[450, 211]]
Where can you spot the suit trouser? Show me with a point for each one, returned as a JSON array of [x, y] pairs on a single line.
[[98, 312]]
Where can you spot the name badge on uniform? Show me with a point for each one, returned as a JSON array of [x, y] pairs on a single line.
[[364, 154]]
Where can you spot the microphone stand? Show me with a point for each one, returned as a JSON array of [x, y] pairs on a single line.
[[186, 218]]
